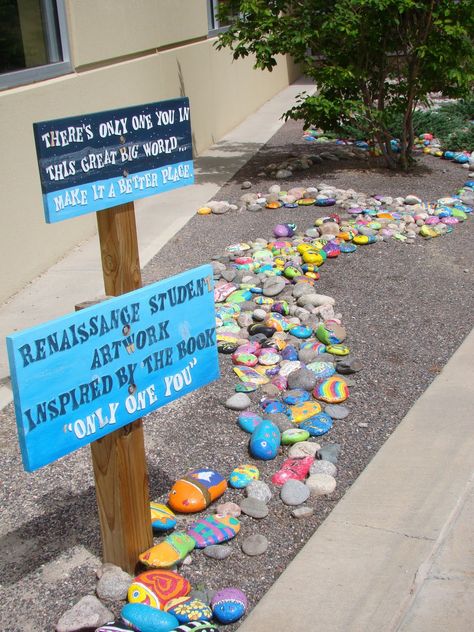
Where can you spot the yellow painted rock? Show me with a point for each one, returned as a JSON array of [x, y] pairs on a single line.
[[303, 411], [204, 210], [169, 552], [162, 518]]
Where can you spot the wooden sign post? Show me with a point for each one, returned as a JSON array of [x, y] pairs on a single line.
[[90, 377]]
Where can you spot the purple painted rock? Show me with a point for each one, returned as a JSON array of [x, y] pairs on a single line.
[[228, 605]]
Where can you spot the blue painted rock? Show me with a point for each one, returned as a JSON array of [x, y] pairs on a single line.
[[325, 202], [273, 406], [296, 396], [156, 587], [294, 435], [187, 609], [196, 490], [239, 296], [248, 421], [243, 475], [322, 369], [300, 412], [301, 332], [213, 530], [147, 619], [313, 345], [162, 518], [347, 247], [265, 441], [228, 605], [289, 353], [317, 425]]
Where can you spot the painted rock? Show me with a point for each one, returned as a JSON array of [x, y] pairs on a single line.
[[196, 626], [147, 619], [187, 609], [294, 435], [347, 248], [196, 490], [162, 518], [313, 345], [244, 359], [114, 626], [289, 353], [268, 358], [281, 307], [330, 333], [221, 292], [156, 587], [213, 530], [296, 396], [317, 425], [248, 420], [300, 412], [332, 390], [228, 605], [301, 332], [168, 553], [362, 240], [226, 347], [322, 369], [239, 296], [242, 475], [273, 406], [265, 441], [338, 349], [245, 387], [248, 374], [296, 469]]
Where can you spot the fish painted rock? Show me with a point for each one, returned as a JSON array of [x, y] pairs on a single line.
[[242, 475], [168, 553], [147, 619], [305, 410], [162, 518], [294, 468], [265, 441], [332, 390], [317, 425], [156, 587], [187, 609], [213, 530], [196, 491], [228, 605]]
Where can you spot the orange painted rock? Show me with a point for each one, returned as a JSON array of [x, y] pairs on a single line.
[[156, 587], [169, 552], [196, 491], [162, 518]]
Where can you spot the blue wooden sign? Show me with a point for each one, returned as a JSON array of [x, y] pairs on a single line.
[[96, 161], [82, 376]]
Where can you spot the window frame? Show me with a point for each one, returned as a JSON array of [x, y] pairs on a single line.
[[212, 21], [56, 43]]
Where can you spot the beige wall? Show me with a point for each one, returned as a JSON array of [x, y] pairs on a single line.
[[221, 92]]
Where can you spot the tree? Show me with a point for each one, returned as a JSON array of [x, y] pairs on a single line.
[[371, 60]]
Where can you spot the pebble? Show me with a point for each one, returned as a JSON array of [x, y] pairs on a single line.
[[256, 544], [88, 612], [337, 411], [302, 378], [239, 401], [304, 448], [323, 467], [113, 584], [259, 490], [329, 452], [321, 484], [228, 509], [254, 507], [294, 492], [302, 512]]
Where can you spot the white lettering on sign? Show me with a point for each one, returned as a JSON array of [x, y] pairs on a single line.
[[178, 380], [114, 127], [174, 174]]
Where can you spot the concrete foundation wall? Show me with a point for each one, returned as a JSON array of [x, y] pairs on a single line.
[[122, 54]]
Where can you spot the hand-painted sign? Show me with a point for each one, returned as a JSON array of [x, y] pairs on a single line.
[[96, 161], [82, 376]]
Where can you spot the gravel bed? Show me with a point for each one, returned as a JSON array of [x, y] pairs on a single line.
[[406, 308]]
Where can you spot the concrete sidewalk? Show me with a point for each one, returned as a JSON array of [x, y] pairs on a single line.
[[78, 276], [397, 552]]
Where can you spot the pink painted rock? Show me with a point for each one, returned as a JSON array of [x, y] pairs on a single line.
[[294, 468]]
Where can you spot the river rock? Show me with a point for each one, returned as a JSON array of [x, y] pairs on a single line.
[[321, 484], [113, 584], [218, 551], [88, 612], [255, 544], [259, 490], [273, 286], [347, 366], [304, 448], [302, 512], [228, 509], [294, 492], [329, 452], [337, 411], [302, 378], [239, 401], [323, 467], [254, 507]]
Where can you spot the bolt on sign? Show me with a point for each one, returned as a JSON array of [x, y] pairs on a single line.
[[97, 161], [80, 377]]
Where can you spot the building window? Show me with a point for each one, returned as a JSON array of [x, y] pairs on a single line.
[[33, 41], [216, 25]]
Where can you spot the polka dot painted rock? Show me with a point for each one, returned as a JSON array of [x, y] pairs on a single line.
[[294, 435], [317, 425], [213, 530], [300, 412], [228, 605], [294, 468], [248, 421], [196, 490], [162, 518], [265, 441], [333, 390], [187, 609], [157, 587], [242, 475]]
